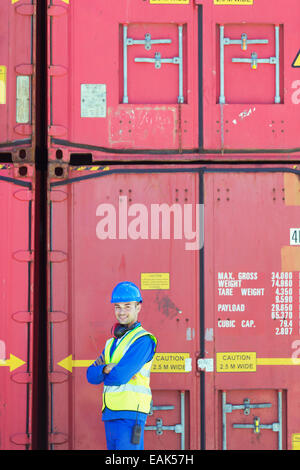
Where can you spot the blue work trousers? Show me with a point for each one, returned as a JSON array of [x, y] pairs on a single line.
[[118, 434]]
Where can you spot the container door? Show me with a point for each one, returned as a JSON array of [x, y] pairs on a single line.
[[251, 79], [17, 90], [252, 419], [16, 276], [252, 305], [108, 226], [136, 95]]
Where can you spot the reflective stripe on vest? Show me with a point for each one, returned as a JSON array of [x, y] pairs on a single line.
[[136, 394]]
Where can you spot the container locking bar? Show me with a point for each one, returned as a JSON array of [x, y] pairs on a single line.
[[254, 61], [178, 428], [256, 426], [244, 41], [159, 408], [157, 60], [229, 408], [148, 42]]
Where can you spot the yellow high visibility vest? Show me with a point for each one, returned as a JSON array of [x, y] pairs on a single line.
[[135, 395]]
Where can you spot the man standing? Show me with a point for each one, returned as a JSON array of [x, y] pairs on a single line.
[[124, 367]]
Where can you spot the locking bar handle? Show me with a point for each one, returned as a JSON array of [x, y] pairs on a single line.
[[157, 60], [244, 41], [178, 428], [131, 42]]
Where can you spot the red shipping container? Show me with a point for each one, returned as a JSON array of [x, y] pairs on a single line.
[[251, 77], [110, 99], [180, 80], [191, 237], [16, 306], [17, 79]]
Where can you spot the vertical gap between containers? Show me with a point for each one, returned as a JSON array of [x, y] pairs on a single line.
[[200, 77], [40, 386], [202, 323]]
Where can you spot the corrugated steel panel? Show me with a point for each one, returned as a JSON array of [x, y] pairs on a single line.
[[239, 341], [251, 105], [101, 99], [16, 306], [17, 78], [252, 303], [179, 80]]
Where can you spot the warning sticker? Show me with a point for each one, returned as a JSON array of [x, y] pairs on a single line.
[[233, 2], [171, 362], [153, 281], [171, 2], [236, 362], [2, 84], [296, 62], [296, 441]]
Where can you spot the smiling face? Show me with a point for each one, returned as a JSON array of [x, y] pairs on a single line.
[[127, 312]]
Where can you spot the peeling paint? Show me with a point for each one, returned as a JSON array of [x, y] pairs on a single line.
[[246, 113], [135, 125], [190, 334]]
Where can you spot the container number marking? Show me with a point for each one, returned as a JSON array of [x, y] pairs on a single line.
[[295, 236]]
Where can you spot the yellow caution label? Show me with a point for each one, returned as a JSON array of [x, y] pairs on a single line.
[[296, 441], [233, 2], [155, 281], [171, 362], [3, 73], [236, 362], [170, 2]]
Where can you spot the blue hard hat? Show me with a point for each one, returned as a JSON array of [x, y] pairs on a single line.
[[126, 292]]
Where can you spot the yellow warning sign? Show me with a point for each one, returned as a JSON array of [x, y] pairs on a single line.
[[296, 62], [236, 362], [171, 362], [170, 2], [296, 441], [153, 281], [233, 2], [2, 84]]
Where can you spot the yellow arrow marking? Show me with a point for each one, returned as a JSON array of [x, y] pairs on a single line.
[[68, 363], [13, 362], [66, 1]]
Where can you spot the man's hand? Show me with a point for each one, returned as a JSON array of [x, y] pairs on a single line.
[[107, 369], [99, 361]]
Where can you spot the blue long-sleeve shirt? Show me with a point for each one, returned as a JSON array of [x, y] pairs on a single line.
[[140, 352]]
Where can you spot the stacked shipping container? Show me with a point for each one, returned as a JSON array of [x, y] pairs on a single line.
[[17, 189], [173, 163], [181, 81]]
